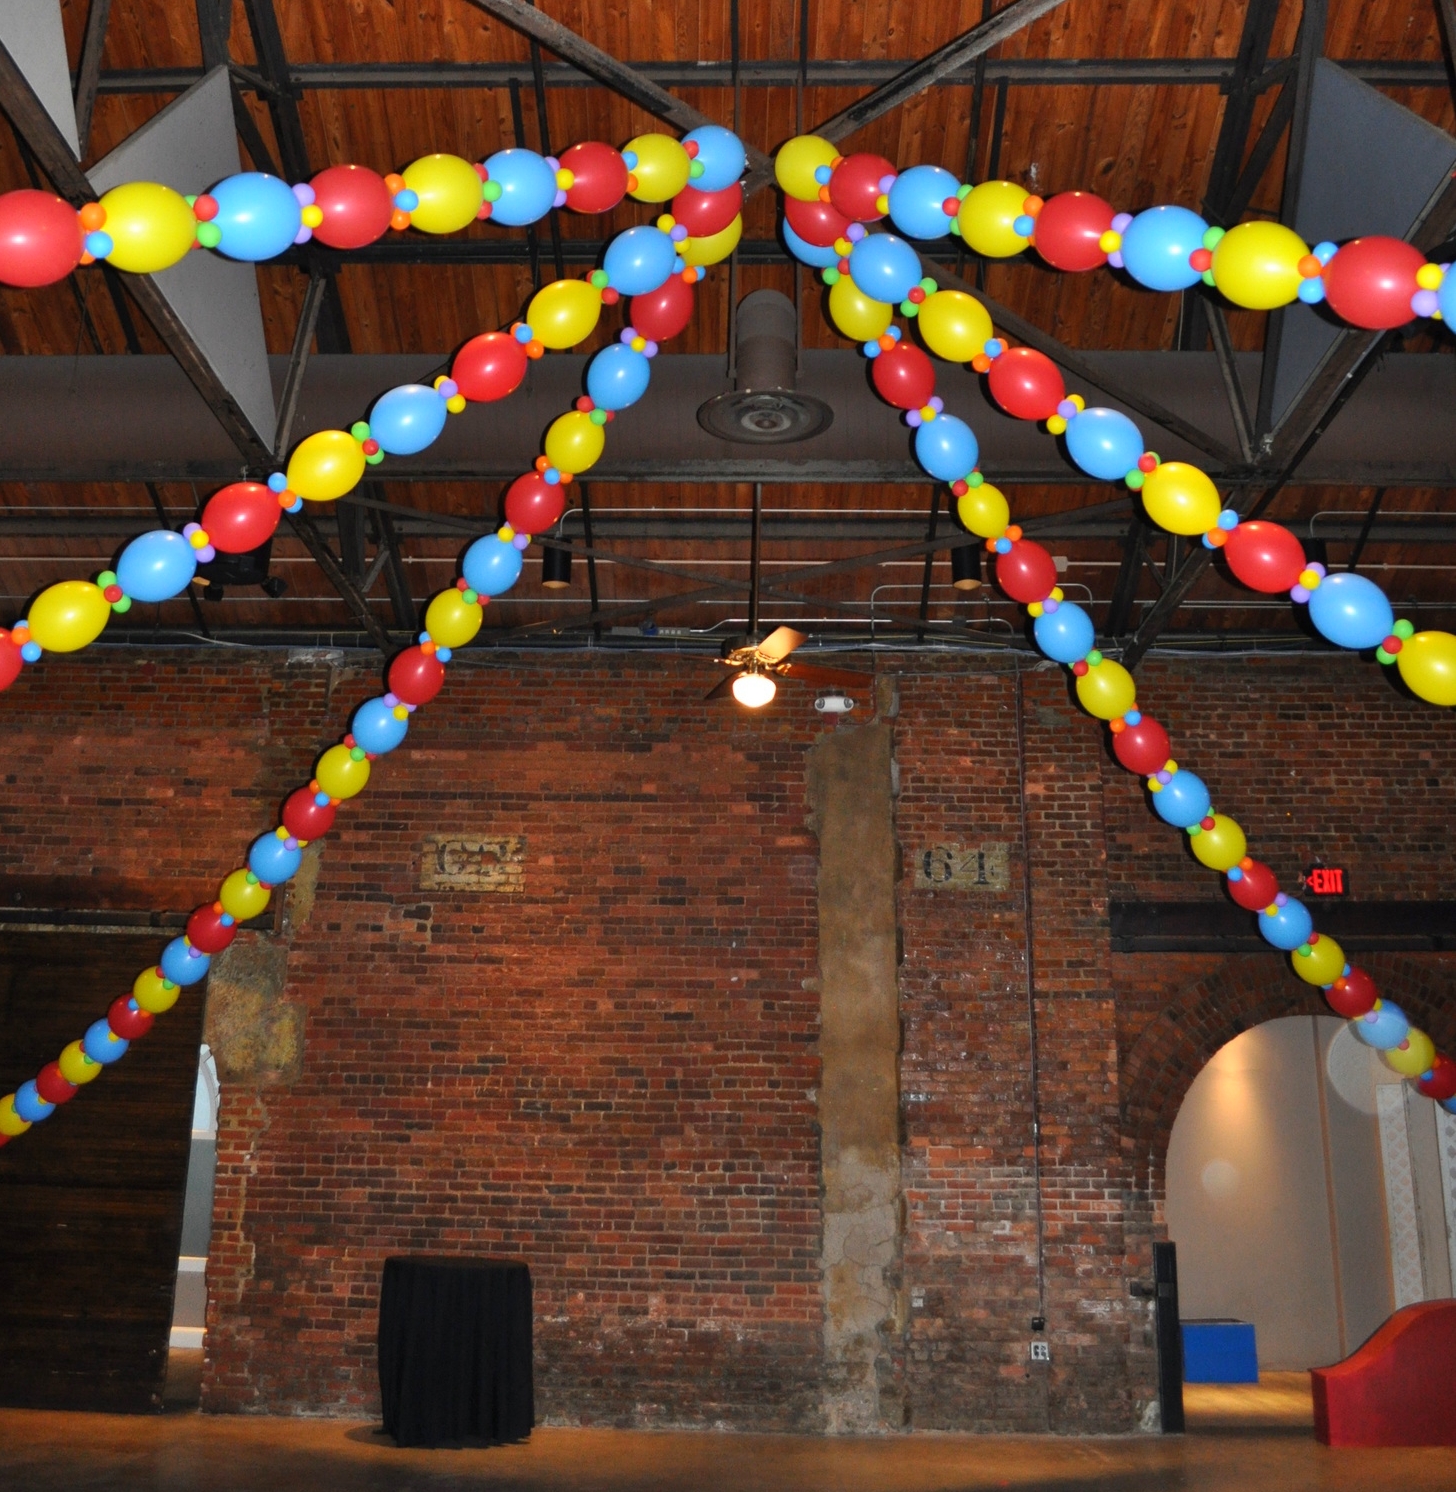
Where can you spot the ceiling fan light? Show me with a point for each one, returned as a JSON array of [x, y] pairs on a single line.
[[754, 690]]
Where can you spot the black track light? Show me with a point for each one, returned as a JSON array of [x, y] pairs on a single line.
[[965, 567]]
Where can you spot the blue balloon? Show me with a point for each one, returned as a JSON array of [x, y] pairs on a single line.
[[916, 198], [1446, 302], [257, 215], [1066, 634], [30, 1105], [946, 447], [1182, 801], [1351, 611], [1384, 1028], [491, 565], [376, 727], [720, 154], [618, 376], [808, 253], [528, 187], [1287, 926], [407, 419], [1156, 246], [157, 566], [1104, 443], [886, 268], [102, 1044], [270, 859], [639, 261], [183, 964], [1449, 1104]]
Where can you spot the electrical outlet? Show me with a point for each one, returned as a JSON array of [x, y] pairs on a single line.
[[1041, 1352]]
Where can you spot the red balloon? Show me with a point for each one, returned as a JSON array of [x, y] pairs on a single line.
[[706, 213], [855, 186], [1143, 747], [904, 376], [40, 239], [1265, 556], [10, 660], [306, 819], [52, 1086], [1028, 573], [818, 223], [533, 504], [1440, 1085], [356, 206], [489, 366], [1068, 228], [126, 1022], [599, 177], [1027, 383], [665, 311], [206, 930], [415, 676], [1370, 282], [1256, 888], [1351, 995], [241, 517]]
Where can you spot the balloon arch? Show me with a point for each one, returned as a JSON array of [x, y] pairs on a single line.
[[832, 207]]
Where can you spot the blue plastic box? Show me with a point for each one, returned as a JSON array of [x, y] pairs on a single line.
[[1219, 1352]]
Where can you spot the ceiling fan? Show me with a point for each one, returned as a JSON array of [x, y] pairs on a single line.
[[757, 667]]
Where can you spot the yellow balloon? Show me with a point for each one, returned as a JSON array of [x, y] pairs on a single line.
[[450, 193], [987, 215], [451, 620], [985, 511], [797, 161], [564, 313], [154, 993], [1323, 964], [662, 168], [1181, 499], [715, 247], [325, 466], [573, 443], [10, 1122], [1413, 1056], [242, 898], [150, 226], [340, 774], [855, 314], [954, 325], [1257, 265], [1221, 847], [67, 616], [1107, 691], [1427, 663], [76, 1067]]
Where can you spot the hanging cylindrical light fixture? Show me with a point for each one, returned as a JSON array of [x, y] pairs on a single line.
[[965, 567], [555, 568]]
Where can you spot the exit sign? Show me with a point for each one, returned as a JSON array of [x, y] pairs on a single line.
[[1326, 880]]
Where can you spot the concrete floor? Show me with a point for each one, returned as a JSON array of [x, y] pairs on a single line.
[[1256, 1437]]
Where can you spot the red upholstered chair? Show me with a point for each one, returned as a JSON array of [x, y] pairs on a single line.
[[1399, 1388]]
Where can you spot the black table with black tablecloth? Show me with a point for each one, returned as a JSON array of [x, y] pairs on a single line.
[[455, 1350]]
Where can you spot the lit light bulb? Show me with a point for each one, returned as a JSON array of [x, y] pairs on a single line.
[[754, 690]]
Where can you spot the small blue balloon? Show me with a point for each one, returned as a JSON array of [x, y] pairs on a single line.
[[1446, 298], [491, 567], [30, 1105], [1351, 611], [1156, 246], [407, 419], [1066, 634], [916, 198], [528, 187], [1104, 443], [946, 447], [376, 727], [639, 261], [156, 566], [720, 154], [886, 268], [183, 964], [257, 215], [270, 859], [1384, 1029], [1449, 1104], [618, 376], [808, 253], [1287, 926], [1183, 800], [102, 1044]]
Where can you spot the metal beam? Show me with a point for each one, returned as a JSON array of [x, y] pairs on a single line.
[[282, 104], [1124, 589], [88, 74], [313, 299], [1223, 350], [352, 596]]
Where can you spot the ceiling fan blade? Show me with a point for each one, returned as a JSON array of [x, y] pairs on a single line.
[[780, 643], [722, 686], [811, 673]]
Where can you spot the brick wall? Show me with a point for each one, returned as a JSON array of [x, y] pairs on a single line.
[[613, 1073]]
